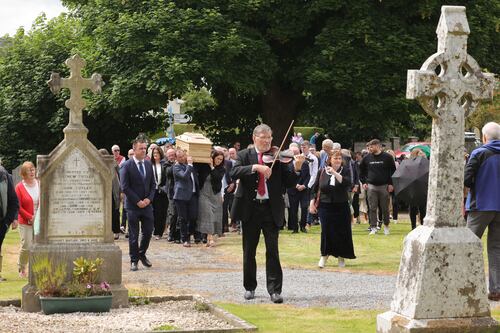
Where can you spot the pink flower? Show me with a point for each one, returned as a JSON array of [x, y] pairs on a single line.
[[89, 286], [105, 285]]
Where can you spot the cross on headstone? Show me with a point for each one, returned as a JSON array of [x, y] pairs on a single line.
[[441, 284], [76, 160], [447, 97], [75, 83]]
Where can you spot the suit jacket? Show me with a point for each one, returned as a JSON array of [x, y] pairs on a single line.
[[303, 179], [9, 204], [283, 176], [163, 177], [136, 187], [169, 172], [183, 186]]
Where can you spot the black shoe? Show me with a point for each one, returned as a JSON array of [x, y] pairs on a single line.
[[249, 294], [276, 298], [303, 229], [134, 267], [145, 261], [295, 231], [126, 235], [170, 240], [177, 241]]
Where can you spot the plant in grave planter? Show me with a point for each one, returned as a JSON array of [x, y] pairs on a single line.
[[82, 294]]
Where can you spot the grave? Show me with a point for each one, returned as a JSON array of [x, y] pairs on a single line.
[[75, 196], [441, 282]]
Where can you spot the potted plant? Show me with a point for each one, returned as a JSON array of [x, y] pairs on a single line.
[[82, 294]]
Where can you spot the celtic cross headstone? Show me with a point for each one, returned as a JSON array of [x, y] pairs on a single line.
[[441, 282]]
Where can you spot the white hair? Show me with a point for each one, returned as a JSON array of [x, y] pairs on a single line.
[[114, 147], [491, 131], [336, 145], [262, 128], [327, 143]]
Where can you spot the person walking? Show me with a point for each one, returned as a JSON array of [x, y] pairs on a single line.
[[330, 199], [138, 184], [376, 169], [210, 201], [482, 177], [28, 195], [160, 204], [259, 204]]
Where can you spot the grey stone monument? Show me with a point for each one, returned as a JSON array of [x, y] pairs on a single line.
[[75, 196], [441, 283]]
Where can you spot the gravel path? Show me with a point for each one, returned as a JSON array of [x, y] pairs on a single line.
[[208, 272], [179, 314]]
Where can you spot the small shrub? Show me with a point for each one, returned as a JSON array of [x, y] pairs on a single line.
[[201, 307]]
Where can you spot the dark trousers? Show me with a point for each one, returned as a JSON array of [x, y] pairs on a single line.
[[160, 208], [261, 219], [226, 208], [115, 217], [3, 232], [145, 217], [124, 217], [187, 213], [414, 210], [395, 206], [355, 204], [174, 231], [298, 199]]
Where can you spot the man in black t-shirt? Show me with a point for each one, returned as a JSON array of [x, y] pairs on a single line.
[[376, 170]]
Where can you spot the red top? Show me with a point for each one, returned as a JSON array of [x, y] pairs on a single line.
[[26, 206]]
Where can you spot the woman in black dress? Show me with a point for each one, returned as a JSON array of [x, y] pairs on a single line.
[[329, 197]]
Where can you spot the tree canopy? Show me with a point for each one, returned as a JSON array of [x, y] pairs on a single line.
[[337, 64]]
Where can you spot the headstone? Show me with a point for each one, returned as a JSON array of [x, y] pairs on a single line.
[[441, 282], [16, 175], [75, 197]]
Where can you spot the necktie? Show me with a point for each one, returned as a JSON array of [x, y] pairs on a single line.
[[261, 188], [141, 169]]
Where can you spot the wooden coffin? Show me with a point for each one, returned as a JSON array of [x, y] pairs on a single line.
[[196, 145]]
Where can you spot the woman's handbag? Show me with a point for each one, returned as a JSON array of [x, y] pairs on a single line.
[[316, 201]]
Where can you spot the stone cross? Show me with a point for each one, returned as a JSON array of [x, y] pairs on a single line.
[[76, 84], [449, 86], [441, 284]]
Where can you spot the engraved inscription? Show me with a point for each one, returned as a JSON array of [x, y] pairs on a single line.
[[76, 205]]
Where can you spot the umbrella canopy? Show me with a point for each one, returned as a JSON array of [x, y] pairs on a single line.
[[426, 149], [411, 181]]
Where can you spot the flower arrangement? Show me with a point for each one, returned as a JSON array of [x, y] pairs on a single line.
[[50, 278]]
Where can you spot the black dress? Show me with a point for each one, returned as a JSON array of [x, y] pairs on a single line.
[[334, 214]]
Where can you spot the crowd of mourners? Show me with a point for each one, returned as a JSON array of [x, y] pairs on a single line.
[[191, 202]]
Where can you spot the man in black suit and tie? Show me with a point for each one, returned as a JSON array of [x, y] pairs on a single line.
[[259, 204], [138, 184]]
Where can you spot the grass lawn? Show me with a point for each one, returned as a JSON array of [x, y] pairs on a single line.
[[10, 252], [270, 318], [378, 254]]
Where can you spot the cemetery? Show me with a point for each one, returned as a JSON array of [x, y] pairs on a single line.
[[81, 274]]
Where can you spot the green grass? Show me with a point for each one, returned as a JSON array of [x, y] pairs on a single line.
[[165, 328], [379, 254], [270, 318], [10, 252]]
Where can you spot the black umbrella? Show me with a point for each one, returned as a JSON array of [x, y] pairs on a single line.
[[411, 180]]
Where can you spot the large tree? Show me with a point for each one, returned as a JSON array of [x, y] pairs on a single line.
[[339, 64]]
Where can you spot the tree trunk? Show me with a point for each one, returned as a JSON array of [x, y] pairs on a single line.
[[279, 106]]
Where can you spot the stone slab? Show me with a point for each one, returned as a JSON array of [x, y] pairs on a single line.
[[110, 253], [441, 275], [391, 322]]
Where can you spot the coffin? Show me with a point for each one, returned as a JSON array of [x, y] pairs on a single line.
[[196, 145]]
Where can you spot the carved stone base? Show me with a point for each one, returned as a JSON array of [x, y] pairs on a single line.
[[67, 253], [390, 322]]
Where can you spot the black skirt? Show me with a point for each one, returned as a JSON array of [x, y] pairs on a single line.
[[336, 233]]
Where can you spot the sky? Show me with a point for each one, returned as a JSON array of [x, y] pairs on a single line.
[[16, 13]]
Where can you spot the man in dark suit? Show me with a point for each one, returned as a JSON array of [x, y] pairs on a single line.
[[138, 184], [174, 234], [228, 187], [9, 207], [299, 195], [259, 204], [185, 195]]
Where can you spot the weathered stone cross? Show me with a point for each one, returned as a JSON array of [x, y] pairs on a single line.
[[75, 83], [441, 285], [448, 96]]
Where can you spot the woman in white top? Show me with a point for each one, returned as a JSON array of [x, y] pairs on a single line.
[[28, 194]]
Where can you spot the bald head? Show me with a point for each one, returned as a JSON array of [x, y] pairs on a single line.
[[491, 131]]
